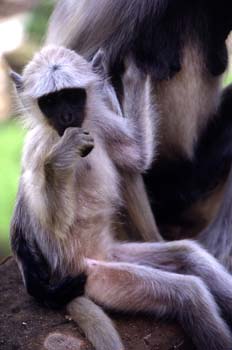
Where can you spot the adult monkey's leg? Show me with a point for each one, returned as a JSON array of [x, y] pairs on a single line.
[[132, 288], [217, 237]]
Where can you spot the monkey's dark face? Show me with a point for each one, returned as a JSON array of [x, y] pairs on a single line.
[[64, 108]]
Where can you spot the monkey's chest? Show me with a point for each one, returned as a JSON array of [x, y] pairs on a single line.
[[97, 181], [97, 200], [185, 103]]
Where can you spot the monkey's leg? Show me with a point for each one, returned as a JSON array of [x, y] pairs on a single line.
[[133, 288], [184, 257], [217, 237]]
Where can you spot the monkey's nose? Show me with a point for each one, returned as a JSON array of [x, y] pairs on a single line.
[[67, 118]]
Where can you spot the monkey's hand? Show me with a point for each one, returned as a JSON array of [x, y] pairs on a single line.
[[75, 143], [79, 140]]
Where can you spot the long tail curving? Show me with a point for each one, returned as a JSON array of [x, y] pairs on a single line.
[[96, 325]]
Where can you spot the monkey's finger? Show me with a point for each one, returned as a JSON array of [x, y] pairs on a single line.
[[87, 138]]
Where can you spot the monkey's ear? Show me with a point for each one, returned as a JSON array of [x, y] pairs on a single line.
[[17, 80], [99, 64]]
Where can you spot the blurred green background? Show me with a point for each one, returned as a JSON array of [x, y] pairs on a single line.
[[11, 133], [34, 25]]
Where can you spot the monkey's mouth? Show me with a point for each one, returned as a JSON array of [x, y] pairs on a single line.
[[66, 122], [70, 121]]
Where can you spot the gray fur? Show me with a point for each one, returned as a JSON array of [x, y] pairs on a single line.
[[106, 17], [74, 202], [17, 79]]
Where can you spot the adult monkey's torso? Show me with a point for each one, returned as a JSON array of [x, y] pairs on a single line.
[[181, 44], [186, 103]]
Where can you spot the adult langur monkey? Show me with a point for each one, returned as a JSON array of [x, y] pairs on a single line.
[[182, 45]]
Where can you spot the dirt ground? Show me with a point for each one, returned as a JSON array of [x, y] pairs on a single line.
[[25, 325]]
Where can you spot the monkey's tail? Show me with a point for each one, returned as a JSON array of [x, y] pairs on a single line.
[[96, 325]]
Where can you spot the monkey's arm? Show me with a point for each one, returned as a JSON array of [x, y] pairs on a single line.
[[49, 173], [137, 105], [131, 139], [35, 270], [131, 144], [140, 112]]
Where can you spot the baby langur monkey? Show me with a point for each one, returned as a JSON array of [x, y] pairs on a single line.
[[78, 145]]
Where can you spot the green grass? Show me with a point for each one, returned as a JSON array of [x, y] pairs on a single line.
[[11, 140], [38, 20], [227, 79]]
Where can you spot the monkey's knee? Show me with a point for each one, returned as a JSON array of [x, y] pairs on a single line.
[[187, 248]]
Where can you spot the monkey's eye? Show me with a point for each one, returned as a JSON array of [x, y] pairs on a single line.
[[46, 103], [48, 100]]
